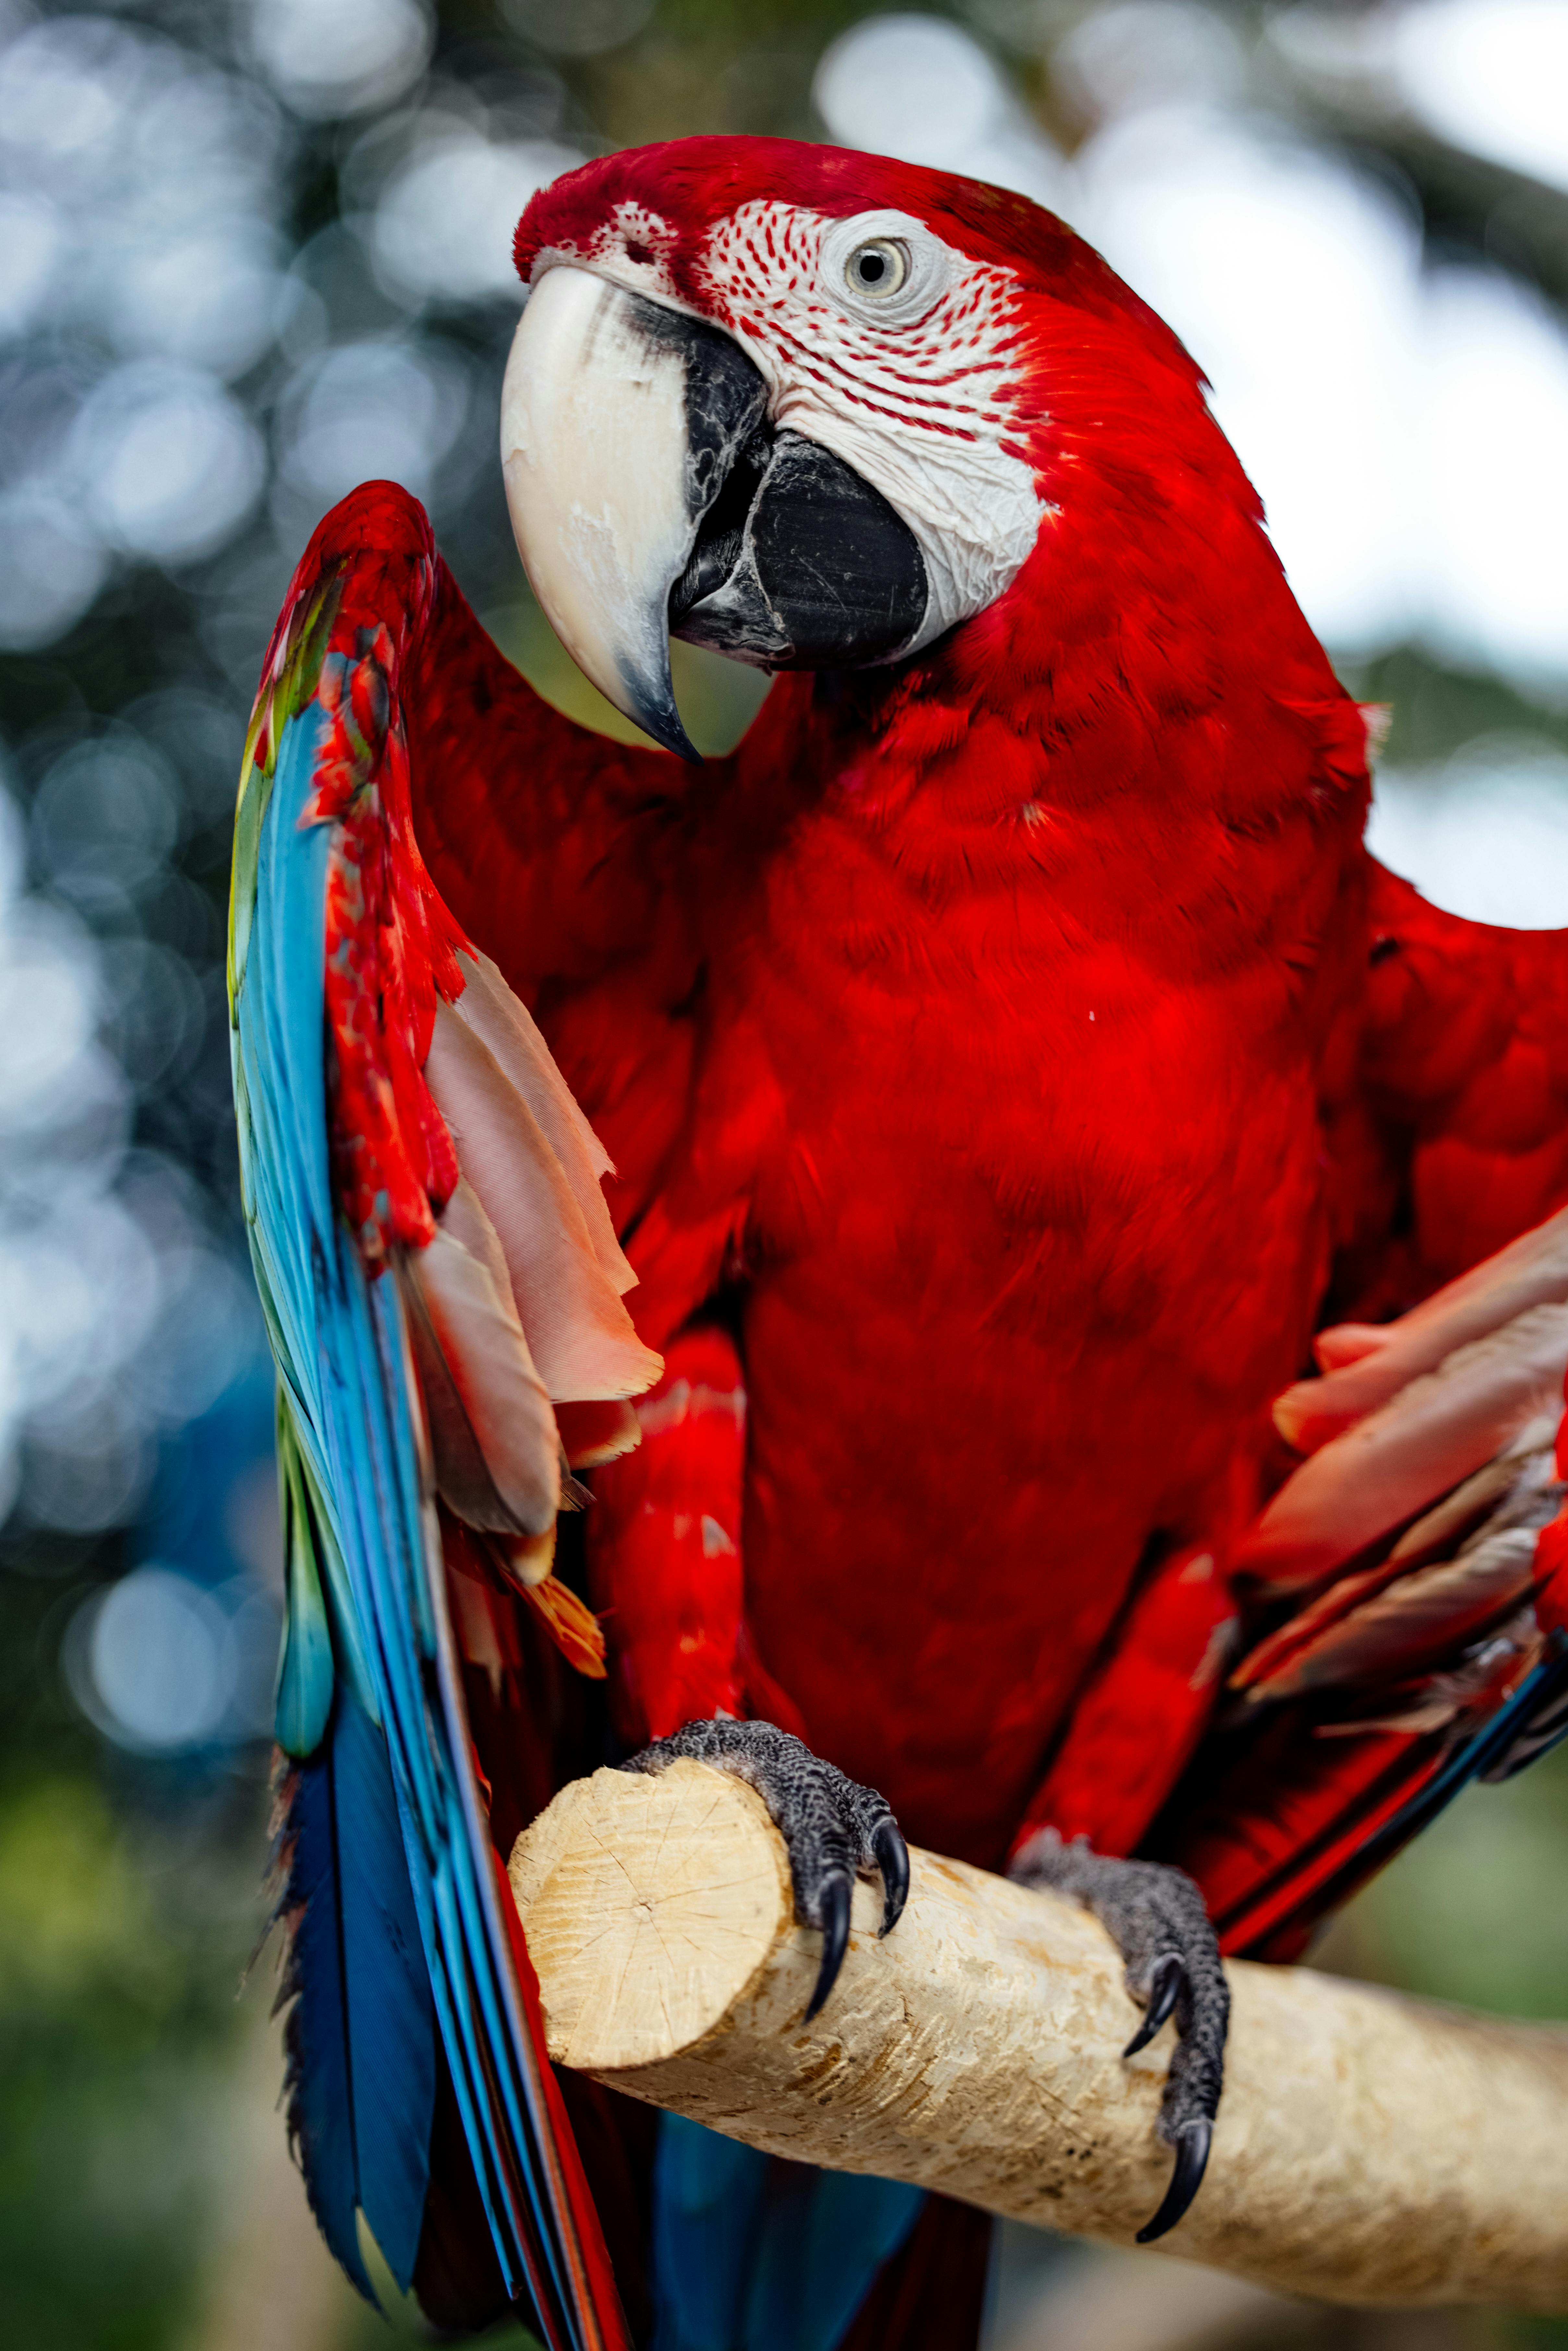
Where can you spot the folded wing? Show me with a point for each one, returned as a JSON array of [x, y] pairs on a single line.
[[1402, 1622], [1404, 1581], [439, 1275]]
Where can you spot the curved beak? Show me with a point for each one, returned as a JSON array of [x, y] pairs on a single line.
[[621, 420], [650, 495]]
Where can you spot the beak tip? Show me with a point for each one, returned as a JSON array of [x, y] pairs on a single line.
[[672, 737], [654, 711]]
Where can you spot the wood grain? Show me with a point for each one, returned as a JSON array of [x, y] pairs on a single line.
[[1370, 2148]]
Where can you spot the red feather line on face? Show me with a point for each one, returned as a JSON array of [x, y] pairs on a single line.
[[1069, 359], [668, 197]]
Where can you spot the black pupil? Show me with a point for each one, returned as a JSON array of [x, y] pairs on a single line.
[[874, 268]]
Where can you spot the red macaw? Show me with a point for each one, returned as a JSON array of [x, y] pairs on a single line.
[[1009, 1057]]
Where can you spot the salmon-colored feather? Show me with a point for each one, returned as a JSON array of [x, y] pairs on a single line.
[[1343, 1344], [1533, 1271], [1441, 1427], [493, 1435], [1412, 1623], [506, 1028], [577, 1330], [593, 1434]]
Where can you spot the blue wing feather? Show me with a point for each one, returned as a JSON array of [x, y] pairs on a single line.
[[391, 2017], [1513, 1737], [316, 2038], [351, 1404], [360, 2032], [305, 1673]]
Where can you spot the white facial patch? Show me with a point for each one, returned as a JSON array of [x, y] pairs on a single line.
[[632, 250], [883, 345]]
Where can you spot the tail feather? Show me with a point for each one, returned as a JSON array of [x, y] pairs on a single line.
[[457, 2276], [360, 2034], [318, 2096], [755, 2252]]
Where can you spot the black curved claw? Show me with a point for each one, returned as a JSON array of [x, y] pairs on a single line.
[[836, 1895], [1165, 1980], [1192, 2144], [892, 1857]]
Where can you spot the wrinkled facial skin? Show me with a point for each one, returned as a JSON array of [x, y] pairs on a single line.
[[650, 494], [914, 390], [921, 405], [970, 435], [784, 432]]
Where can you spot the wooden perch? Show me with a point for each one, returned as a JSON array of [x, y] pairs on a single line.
[[1370, 2148]]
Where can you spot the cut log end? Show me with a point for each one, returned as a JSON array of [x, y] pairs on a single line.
[[1370, 2148], [652, 1905]]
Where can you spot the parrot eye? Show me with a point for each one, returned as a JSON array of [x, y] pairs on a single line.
[[885, 268], [879, 268]]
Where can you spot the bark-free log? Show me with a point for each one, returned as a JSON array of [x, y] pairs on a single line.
[[1370, 2148]]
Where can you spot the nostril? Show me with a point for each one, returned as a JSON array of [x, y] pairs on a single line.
[[637, 251]]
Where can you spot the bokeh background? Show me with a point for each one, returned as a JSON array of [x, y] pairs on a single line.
[[251, 255]]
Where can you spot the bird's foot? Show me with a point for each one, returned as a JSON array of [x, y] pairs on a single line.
[[1156, 1920], [835, 1830]]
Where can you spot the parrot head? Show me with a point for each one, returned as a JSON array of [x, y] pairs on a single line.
[[817, 410]]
